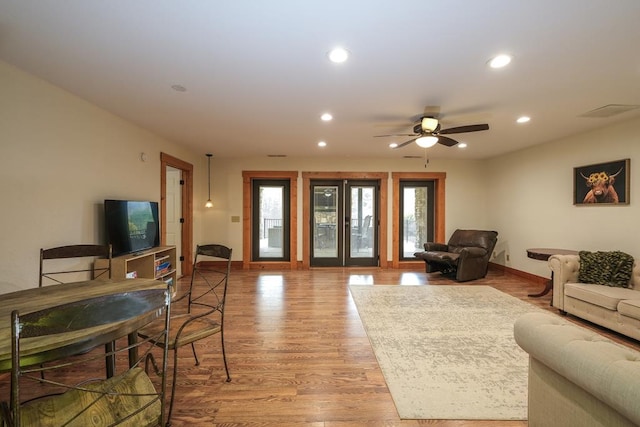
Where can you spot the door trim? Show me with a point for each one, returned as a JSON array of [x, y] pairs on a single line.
[[306, 208], [187, 208]]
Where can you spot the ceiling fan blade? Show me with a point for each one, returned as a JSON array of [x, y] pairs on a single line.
[[463, 129], [446, 141], [395, 134], [406, 143]]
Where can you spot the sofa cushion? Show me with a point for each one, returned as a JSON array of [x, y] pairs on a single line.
[[605, 268], [630, 308], [603, 296]]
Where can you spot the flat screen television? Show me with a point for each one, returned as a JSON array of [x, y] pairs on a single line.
[[132, 226]]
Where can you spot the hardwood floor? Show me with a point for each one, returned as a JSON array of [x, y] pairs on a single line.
[[299, 356]]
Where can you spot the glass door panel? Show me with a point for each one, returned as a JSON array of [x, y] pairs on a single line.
[[362, 224], [326, 224], [270, 220], [417, 207]]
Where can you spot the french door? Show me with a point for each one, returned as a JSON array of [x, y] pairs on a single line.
[[344, 223]]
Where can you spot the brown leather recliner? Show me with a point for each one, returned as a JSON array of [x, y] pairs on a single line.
[[467, 254]]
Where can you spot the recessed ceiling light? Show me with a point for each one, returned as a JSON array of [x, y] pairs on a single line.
[[393, 145], [338, 55], [326, 117], [179, 88], [322, 144], [462, 145], [500, 61], [523, 119]]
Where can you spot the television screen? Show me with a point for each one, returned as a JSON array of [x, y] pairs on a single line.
[[132, 226]]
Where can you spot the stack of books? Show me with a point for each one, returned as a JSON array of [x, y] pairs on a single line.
[[162, 268]]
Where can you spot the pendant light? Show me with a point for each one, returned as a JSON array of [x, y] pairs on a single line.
[[209, 203]]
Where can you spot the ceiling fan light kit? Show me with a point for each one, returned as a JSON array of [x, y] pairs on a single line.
[[427, 141]]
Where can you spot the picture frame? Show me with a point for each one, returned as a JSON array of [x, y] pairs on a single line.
[[602, 183]]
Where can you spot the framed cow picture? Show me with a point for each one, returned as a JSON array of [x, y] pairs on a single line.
[[602, 184]]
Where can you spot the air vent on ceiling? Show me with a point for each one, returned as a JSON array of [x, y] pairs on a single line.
[[609, 110], [412, 157], [276, 155]]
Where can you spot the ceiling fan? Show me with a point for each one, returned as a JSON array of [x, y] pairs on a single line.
[[428, 132]]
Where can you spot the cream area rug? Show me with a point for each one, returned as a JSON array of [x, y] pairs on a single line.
[[447, 352]]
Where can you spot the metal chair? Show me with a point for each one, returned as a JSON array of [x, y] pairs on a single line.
[[130, 398], [205, 302], [64, 272], [74, 263]]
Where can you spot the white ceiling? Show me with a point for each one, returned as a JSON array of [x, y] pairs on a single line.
[[258, 78]]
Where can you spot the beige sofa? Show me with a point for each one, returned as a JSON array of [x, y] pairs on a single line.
[[577, 377], [614, 308]]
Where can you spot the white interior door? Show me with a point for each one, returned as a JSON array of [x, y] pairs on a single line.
[[174, 213]]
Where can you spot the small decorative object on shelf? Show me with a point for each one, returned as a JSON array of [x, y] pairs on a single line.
[[163, 268]]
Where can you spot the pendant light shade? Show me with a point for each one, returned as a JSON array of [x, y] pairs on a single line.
[[209, 203]]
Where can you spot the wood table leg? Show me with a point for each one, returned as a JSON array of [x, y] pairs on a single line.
[[547, 287]]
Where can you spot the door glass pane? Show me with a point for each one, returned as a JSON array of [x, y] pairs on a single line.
[[362, 221], [414, 212], [271, 221], [325, 216]]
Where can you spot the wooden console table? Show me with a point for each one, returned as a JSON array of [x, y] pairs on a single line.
[[543, 254], [34, 299]]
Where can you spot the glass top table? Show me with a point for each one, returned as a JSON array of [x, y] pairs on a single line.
[[30, 300]]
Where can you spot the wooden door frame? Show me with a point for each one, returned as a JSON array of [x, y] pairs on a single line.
[[438, 179], [187, 208], [382, 177]]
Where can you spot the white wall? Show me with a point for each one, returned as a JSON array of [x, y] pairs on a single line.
[[530, 201], [60, 157]]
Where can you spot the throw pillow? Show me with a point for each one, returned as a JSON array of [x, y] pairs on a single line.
[[605, 268]]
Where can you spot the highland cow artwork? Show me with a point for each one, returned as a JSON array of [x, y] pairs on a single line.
[[601, 184]]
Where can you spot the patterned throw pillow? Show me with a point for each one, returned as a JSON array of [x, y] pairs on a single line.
[[605, 268]]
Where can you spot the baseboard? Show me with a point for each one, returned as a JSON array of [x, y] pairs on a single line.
[[407, 265], [522, 274]]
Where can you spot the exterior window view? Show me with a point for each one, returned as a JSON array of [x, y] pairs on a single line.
[[271, 220], [414, 220], [362, 221]]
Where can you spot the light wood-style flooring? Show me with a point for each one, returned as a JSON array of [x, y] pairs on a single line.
[[299, 356]]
